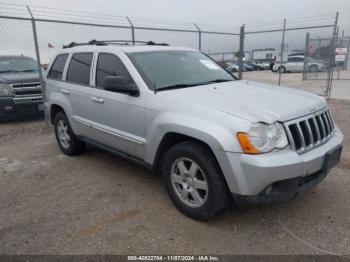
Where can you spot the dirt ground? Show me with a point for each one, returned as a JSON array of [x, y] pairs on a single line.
[[97, 203]]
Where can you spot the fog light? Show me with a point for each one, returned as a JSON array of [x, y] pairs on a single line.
[[268, 190]]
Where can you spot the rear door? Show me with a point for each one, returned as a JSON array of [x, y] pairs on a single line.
[[291, 64], [78, 90], [118, 120], [299, 64]]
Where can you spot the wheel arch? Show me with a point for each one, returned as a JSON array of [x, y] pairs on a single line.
[[172, 138], [54, 109]]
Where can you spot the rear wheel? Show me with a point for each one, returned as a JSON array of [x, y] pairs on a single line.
[[282, 69], [193, 181], [65, 137]]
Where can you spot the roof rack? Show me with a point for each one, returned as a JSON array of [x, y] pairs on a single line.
[[114, 42]]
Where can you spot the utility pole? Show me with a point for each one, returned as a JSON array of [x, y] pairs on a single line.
[[132, 30], [282, 51], [37, 53], [306, 54], [332, 58], [199, 36], [241, 53]]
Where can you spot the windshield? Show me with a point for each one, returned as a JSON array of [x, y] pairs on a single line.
[[15, 65], [177, 69]]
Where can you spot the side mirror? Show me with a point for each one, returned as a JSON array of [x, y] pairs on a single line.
[[120, 84]]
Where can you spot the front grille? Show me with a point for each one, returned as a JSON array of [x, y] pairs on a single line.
[[26, 89], [310, 131]]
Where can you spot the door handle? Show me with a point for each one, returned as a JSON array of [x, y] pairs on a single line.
[[97, 99], [65, 91]]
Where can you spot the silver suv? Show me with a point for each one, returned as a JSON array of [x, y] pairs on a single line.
[[214, 138]]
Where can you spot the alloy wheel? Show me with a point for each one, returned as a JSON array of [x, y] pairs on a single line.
[[62, 132], [189, 182]]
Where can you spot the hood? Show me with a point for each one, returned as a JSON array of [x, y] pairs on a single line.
[[252, 101], [13, 78]]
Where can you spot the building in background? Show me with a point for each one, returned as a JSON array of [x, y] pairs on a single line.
[[263, 55]]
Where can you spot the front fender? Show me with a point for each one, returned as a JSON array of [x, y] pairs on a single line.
[[217, 136]]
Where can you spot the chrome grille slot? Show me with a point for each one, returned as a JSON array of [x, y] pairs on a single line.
[[321, 126], [26, 89], [310, 131], [305, 132]]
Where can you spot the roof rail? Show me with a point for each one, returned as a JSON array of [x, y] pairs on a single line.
[[116, 42]]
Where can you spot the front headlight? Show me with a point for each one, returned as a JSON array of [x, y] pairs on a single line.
[[263, 138], [5, 90]]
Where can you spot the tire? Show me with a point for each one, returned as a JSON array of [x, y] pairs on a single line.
[[69, 145], [216, 196], [282, 69], [313, 69]]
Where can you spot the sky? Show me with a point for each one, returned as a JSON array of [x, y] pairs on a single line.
[[223, 15], [218, 12]]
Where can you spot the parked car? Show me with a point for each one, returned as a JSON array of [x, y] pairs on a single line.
[[264, 64], [248, 67], [296, 64], [20, 89], [214, 138], [232, 67], [258, 67]]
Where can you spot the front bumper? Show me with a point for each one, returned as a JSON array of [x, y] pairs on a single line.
[[250, 175], [289, 188], [17, 106]]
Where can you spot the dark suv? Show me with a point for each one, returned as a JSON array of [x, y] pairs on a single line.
[[20, 90]]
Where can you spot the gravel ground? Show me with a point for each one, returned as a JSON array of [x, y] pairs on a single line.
[[340, 88], [97, 203]]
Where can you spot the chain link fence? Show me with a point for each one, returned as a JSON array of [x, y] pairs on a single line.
[[30, 37], [20, 90], [342, 70]]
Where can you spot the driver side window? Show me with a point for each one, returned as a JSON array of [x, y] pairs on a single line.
[[109, 65]]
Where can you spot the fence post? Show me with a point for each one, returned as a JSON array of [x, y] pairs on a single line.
[[37, 53], [306, 54], [282, 51], [199, 36], [347, 55], [241, 53], [331, 58], [132, 30]]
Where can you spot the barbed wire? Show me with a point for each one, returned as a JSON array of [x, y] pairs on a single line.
[[48, 13]]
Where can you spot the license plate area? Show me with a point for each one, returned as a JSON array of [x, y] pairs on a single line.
[[331, 159]]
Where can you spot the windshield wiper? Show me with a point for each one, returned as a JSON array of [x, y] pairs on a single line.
[[216, 81], [175, 86], [30, 70], [8, 71]]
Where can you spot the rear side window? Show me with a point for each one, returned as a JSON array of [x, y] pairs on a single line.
[[57, 68], [79, 68], [109, 65]]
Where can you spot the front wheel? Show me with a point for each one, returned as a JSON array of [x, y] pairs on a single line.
[[65, 137], [193, 181], [313, 69]]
